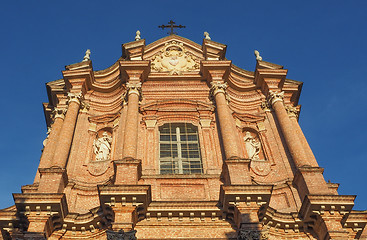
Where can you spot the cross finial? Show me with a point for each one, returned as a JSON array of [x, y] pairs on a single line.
[[172, 26]]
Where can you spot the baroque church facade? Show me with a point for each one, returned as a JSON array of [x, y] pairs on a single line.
[[173, 141]]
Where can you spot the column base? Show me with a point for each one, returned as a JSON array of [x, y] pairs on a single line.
[[127, 171], [236, 171], [53, 180], [309, 180]]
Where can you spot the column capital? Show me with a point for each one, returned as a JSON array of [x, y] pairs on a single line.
[[75, 97], [217, 87], [293, 112], [58, 113], [274, 97], [133, 88]]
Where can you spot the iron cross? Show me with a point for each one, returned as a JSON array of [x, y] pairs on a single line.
[[172, 26]]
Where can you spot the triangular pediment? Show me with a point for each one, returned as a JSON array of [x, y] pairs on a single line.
[[174, 55]]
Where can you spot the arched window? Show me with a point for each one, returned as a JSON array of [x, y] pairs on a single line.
[[179, 150]]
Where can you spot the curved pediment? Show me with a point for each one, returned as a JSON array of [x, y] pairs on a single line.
[[174, 55]]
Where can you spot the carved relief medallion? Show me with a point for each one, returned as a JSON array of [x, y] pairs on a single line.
[[174, 59]]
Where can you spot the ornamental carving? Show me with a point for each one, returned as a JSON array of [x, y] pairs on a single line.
[[292, 111], [252, 235], [174, 59], [121, 235], [102, 147], [275, 97], [252, 146]]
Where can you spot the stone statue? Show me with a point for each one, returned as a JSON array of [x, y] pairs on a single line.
[[252, 146], [102, 147], [137, 36], [206, 35], [258, 57], [87, 55]]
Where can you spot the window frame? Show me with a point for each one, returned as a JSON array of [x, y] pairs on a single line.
[[180, 161]]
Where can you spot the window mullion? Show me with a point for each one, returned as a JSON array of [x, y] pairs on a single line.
[[179, 153]]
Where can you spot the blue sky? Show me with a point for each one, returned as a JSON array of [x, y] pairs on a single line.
[[322, 43]]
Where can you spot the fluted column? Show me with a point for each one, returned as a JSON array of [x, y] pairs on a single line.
[[290, 135], [51, 141], [67, 131], [132, 121], [226, 122]]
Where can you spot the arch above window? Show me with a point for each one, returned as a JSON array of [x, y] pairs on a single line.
[[179, 149]]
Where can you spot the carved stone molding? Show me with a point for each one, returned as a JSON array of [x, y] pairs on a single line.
[[274, 97], [121, 235], [174, 59]]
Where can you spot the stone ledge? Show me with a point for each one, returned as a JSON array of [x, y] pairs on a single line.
[[318, 204]]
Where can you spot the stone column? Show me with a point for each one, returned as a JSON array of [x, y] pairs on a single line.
[[290, 135], [308, 179], [132, 120], [237, 169], [54, 179], [67, 132], [293, 115], [226, 122], [121, 131], [52, 140]]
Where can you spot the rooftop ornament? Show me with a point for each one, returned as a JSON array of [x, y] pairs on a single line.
[[137, 37], [87, 56], [172, 26], [206, 35], [258, 57]]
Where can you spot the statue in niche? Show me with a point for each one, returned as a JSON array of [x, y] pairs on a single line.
[[252, 146], [102, 147]]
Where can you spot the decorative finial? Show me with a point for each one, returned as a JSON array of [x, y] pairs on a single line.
[[258, 57], [206, 35], [137, 37], [87, 55]]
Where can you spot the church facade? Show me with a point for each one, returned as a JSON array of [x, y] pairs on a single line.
[[173, 141]]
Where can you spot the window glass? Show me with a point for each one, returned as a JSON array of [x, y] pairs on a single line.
[[179, 149]]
